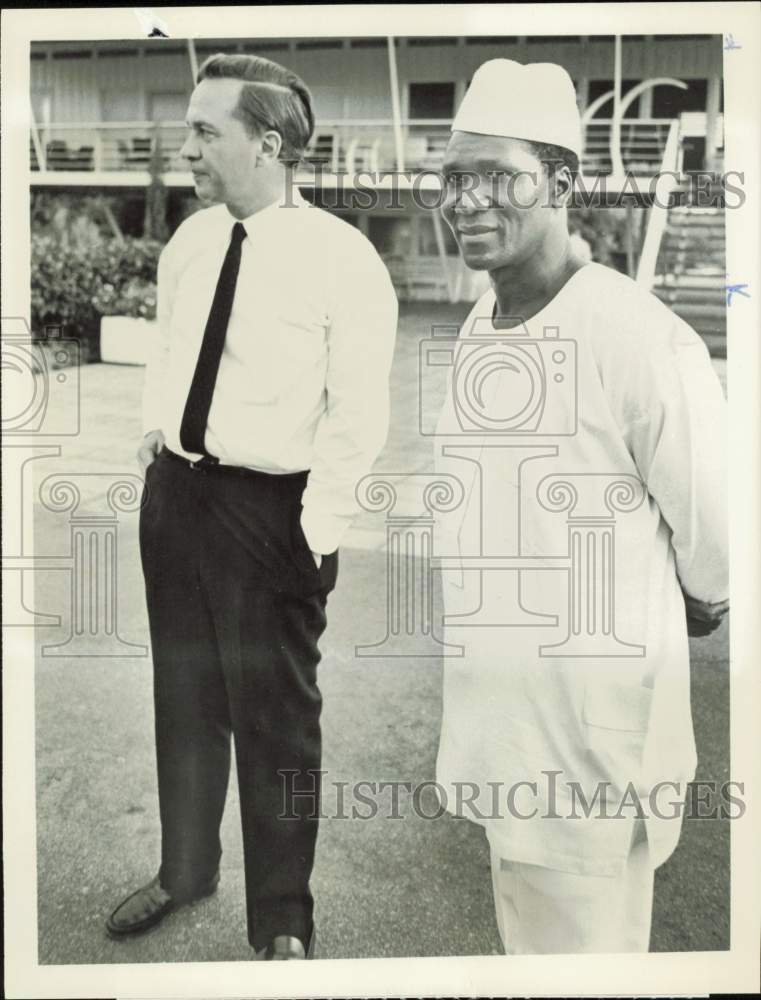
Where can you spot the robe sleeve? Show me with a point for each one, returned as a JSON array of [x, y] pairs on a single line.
[[679, 443]]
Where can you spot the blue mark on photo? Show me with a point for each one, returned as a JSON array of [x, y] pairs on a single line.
[[736, 290]]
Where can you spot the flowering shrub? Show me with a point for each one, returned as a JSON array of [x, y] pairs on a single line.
[[75, 285], [135, 297]]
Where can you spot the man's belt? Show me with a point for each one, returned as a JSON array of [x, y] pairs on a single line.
[[210, 463]]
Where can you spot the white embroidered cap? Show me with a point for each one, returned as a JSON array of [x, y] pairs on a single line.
[[535, 101]]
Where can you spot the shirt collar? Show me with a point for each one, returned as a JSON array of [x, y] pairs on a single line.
[[254, 224]]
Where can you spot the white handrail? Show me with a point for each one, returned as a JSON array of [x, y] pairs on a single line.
[[659, 211], [396, 106], [39, 151]]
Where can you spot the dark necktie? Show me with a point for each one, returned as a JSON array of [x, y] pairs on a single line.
[[196, 414]]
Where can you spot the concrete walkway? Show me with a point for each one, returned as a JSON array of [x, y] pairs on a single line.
[[384, 886]]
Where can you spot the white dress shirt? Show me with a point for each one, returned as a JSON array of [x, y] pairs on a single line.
[[303, 378]]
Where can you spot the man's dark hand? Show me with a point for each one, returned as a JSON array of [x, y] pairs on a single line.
[[703, 618]]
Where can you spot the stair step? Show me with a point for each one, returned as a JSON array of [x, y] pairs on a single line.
[[677, 226], [713, 223], [691, 259], [712, 236], [696, 212], [696, 232], [716, 344], [697, 226], [700, 311], [715, 333], [697, 281], [682, 265], [691, 296], [692, 279]]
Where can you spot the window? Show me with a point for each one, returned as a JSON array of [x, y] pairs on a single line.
[[431, 100], [427, 41], [491, 40], [259, 46], [599, 87], [320, 43], [117, 54], [670, 102], [212, 50], [164, 50], [545, 39], [74, 54]]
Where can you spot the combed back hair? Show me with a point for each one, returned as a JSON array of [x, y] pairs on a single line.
[[272, 98], [554, 157]]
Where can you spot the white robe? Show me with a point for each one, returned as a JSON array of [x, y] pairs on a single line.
[[630, 397]]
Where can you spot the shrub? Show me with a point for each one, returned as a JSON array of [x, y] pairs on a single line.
[[605, 230], [74, 285]]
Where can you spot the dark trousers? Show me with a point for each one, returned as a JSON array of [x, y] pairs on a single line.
[[236, 607]]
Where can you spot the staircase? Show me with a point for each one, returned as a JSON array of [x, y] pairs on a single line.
[[691, 273]]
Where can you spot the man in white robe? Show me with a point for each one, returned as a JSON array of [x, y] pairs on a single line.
[[587, 426]]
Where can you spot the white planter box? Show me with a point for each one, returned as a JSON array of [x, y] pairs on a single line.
[[125, 340]]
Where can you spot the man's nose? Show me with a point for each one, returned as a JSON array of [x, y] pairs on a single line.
[[468, 202], [189, 149], [472, 195]]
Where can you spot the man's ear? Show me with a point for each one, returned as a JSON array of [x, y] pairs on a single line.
[[561, 186], [271, 144]]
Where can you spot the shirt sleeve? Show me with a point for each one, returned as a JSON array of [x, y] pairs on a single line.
[[154, 389], [679, 443], [353, 429]]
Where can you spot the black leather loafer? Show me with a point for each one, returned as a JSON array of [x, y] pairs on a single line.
[[285, 948], [148, 906]]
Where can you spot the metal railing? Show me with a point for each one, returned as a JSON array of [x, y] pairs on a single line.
[[338, 146], [659, 212]]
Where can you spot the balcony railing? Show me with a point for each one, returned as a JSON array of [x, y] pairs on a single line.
[[340, 146]]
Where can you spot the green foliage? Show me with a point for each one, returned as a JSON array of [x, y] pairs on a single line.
[[72, 217], [605, 231], [76, 284]]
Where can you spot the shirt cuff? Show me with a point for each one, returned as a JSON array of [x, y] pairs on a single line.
[[323, 532]]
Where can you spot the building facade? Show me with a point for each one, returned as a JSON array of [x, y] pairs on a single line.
[[383, 106]]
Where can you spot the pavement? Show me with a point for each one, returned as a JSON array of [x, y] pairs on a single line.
[[384, 886]]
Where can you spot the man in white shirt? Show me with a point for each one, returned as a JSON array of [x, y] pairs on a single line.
[[265, 403], [580, 412]]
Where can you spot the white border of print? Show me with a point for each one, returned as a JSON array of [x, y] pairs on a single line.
[[736, 970]]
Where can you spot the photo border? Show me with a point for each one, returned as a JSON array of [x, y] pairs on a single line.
[[735, 970]]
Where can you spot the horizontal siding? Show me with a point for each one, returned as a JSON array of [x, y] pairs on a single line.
[[353, 82]]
